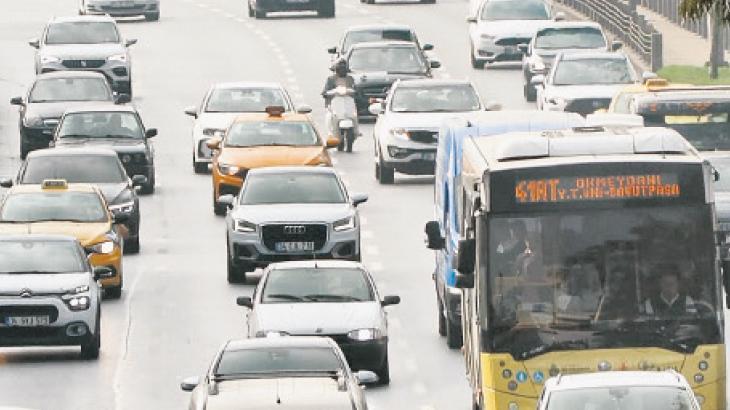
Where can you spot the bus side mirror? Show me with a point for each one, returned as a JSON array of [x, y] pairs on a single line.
[[465, 257], [434, 240], [464, 281]]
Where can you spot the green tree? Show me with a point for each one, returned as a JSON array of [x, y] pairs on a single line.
[[719, 11]]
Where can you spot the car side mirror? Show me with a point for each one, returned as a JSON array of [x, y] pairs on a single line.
[[190, 383], [434, 240], [465, 257], [375, 108], [435, 64], [366, 377], [427, 47], [244, 301], [537, 80], [523, 47], [559, 16], [471, 19], [616, 45], [492, 106], [715, 175], [122, 99], [130, 42], [151, 132], [304, 109], [358, 198], [17, 101], [102, 272], [332, 50], [139, 180], [192, 111], [120, 218], [6, 183], [333, 142], [226, 200], [35, 43], [390, 300], [214, 143]]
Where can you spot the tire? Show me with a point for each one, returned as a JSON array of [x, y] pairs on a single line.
[[114, 292], [428, 1], [385, 174], [149, 187], [250, 10], [529, 92], [200, 167], [384, 372], [327, 9], [152, 16], [349, 140], [454, 337], [219, 210], [476, 63], [90, 349], [131, 245], [370, 1], [259, 14], [476, 404], [235, 273], [441, 317], [24, 149]]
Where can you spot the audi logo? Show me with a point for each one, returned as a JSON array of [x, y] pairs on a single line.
[[294, 229], [26, 293]]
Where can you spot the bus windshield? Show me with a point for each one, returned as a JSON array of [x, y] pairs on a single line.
[[601, 278], [707, 131]]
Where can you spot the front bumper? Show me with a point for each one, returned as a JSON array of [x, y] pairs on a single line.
[[114, 262], [491, 52], [289, 5], [117, 73], [367, 355], [134, 9], [408, 157], [64, 326]]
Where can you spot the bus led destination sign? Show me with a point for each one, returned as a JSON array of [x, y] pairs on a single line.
[[592, 188]]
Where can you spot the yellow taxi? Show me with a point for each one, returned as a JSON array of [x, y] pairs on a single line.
[[78, 210], [268, 139], [620, 101]]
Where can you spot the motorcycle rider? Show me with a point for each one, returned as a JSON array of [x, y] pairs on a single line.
[[344, 108], [340, 78]]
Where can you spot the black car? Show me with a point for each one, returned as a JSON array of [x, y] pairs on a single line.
[[50, 95], [376, 66], [259, 8], [116, 127], [97, 166], [375, 33]]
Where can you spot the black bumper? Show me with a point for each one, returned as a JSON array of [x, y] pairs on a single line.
[[41, 336], [290, 5], [243, 253], [368, 355], [415, 167], [138, 169]]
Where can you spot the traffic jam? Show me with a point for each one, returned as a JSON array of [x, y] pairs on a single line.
[[578, 248]]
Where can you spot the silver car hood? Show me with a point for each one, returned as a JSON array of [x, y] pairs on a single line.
[[317, 317], [82, 51], [38, 283], [217, 120], [571, 92], [301, 393], [269, 213]]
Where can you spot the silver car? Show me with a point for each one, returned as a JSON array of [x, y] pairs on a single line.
[[324, 298], [279, 373], [91, 43], [290, 213], [150, 9], [49, 294]]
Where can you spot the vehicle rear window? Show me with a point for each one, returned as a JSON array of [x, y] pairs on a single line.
[[394, 60], [100, 125], [294, 188], [53, 206], [267, 133], [70, 89], [515, 10], [40, 257], [277, 360], [622, 398], [570, 37], [245, 99], [316, 285], [82, 32], [447, 98], [588, 71], [366, 36], [92, 169]]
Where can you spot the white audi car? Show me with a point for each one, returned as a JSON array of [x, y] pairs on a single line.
[[223, 103]]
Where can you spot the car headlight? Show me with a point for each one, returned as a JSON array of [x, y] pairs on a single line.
[[244, 226], [228, 169], [362, 335], [50, 59], [124, 207], [33, 121], [77, 303], [118, 57], [487, 37], [399, 133], [271, 333], [209, 132], [105, 247], [344, 224]]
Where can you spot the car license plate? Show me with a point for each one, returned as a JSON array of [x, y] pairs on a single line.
[[27, 321], [123, 4], [294, 246], [428, 156]]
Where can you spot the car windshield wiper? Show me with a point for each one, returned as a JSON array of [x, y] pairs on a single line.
[[347, 298], [272, 373], [405, 72], [73, 136], [284, 296], [29, 272]]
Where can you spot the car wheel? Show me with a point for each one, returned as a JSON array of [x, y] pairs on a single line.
[[90, 349], [24, 149], [259, 14], [384, 372], [219, 210], [199, 167], [370, 1], [474, 62], [528, 90], [149, 187], [113, 292], [152, 16], [131, 245], [454, 339], [250, 10], [441, 317], [327, 9], [235, 273], [386, 174]]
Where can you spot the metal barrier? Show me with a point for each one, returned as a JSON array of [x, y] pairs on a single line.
[[621, 19]]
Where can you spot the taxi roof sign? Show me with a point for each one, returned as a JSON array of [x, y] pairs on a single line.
[[54, 184], [275, 110]]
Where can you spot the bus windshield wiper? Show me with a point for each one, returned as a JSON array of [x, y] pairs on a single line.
[[651, 338], [573, 344]]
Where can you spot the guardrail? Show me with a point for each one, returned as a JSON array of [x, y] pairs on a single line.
[[621, 19]]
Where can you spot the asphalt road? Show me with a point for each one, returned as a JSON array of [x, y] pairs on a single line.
[[177, 307]]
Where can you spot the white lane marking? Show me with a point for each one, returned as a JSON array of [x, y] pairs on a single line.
[[216, 10], [258, 32], [230, 15], [299, 96], [240, 20], [363, 11], [288, 71], [372, 250], [419, 388], [427, 407], [367, 234], [203, 5], [285, 62]]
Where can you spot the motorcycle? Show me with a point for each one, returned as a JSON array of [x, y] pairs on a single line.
[[341, 116]]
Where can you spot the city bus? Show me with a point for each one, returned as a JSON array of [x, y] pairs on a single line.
[[587, 250]]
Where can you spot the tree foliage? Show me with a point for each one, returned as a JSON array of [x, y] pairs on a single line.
[[697, 9]]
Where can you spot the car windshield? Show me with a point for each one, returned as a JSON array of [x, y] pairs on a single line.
[[369, 36], [570, 37], [406, 60], [53, 206], [262, 361], [447, 98], [599, 279], [589, 71], [245, 99], [267, 133], [515, 10], [316, 285], [29, 256], [100, 125], [722, 166], [92, 169], [621, 398], [82, 32], [293, 188], [70, 89], [706, 132]]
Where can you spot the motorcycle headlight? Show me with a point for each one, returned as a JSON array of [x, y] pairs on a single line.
[[244, 226], [271, 333], [118, 57], [210, 132], [399, 133], [50, 59], [33, 121], [344, 224], [124, 207], [362, 335], [228, 169]]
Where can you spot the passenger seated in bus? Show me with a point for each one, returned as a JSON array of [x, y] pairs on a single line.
[[670, 302], [580, 290]]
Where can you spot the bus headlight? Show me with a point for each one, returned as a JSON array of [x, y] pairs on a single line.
[[513, 406]]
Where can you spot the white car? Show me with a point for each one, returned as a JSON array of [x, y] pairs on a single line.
[[408, 122], [499, 26], [223, 103], [277, 373], [619, 390], [583, 82], [324, 298]]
